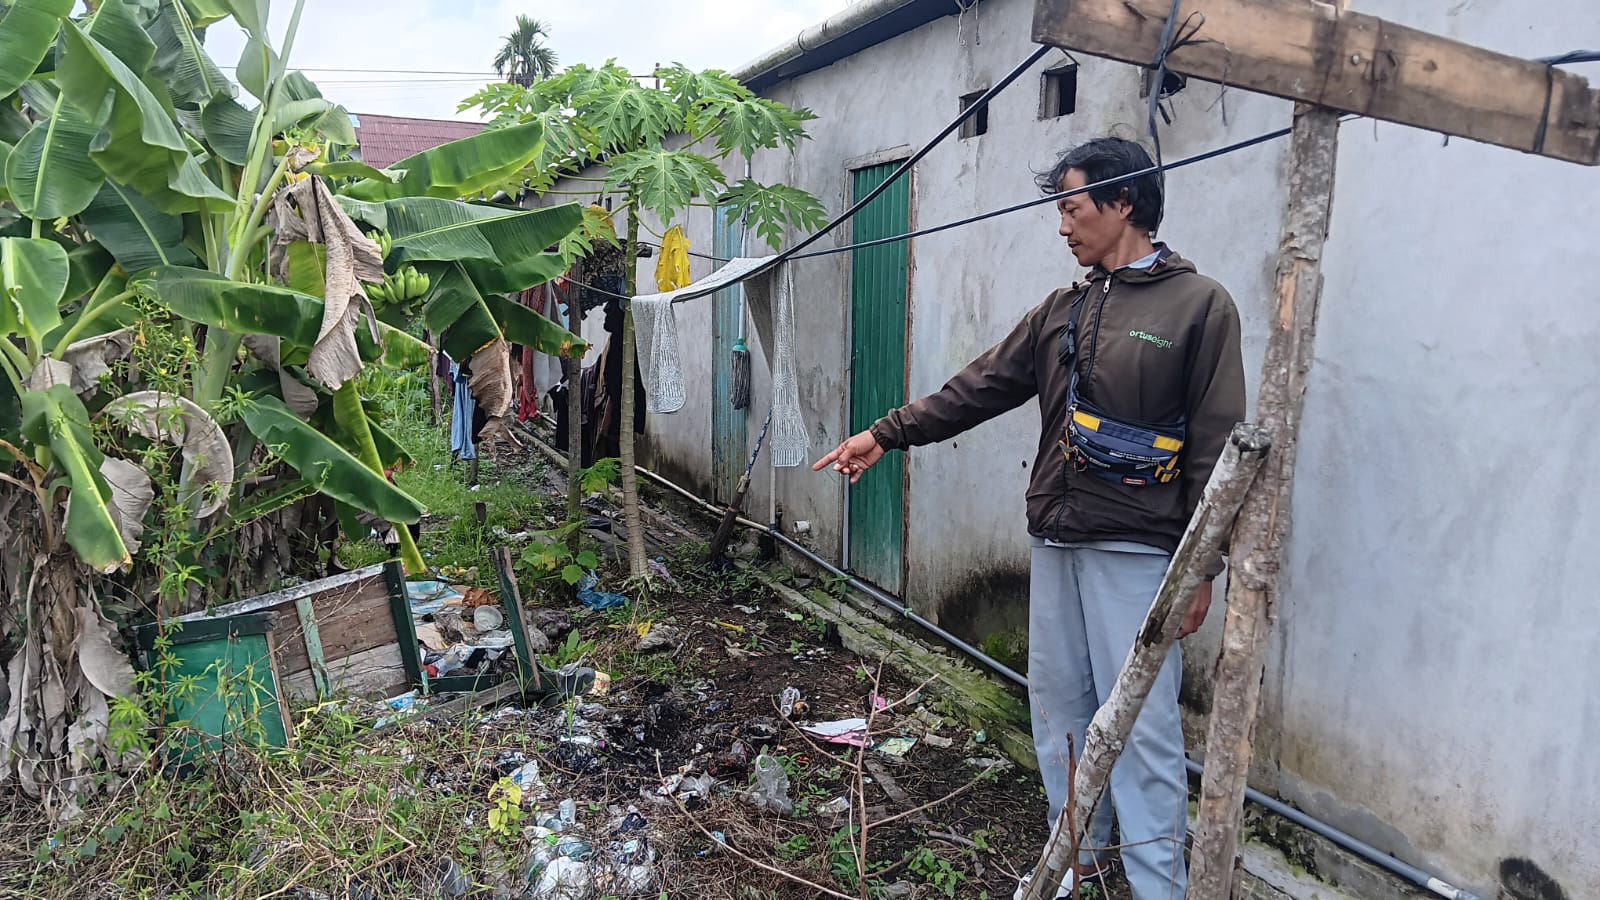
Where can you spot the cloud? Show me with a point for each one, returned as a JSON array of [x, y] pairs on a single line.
[[461, 36]]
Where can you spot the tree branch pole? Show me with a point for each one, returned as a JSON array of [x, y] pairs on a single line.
[[1264, 520], [1113, 722], [630, 477], [572, 367]]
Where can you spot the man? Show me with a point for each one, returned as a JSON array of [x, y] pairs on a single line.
[[1153, 359]]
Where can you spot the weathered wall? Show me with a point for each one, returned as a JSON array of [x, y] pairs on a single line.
[[1436, 677], [1434, 687]]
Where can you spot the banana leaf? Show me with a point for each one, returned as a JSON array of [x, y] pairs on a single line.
[[206, 12], [191, 77], [56, 418], [211, 299], [351, 168], [5, 156], [26, 33], [89, 264], [325, 464], [462, 168], [521, 325], [137, 234], [228, 125], [33, 277], [117, 26], [255, 64], [424, 228], [401, 350], [140, 144], [106, 318], [50, 175]]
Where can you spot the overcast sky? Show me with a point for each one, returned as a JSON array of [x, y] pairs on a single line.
[[443, 49]]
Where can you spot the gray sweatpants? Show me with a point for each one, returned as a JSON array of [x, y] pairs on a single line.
[[1085, 609]]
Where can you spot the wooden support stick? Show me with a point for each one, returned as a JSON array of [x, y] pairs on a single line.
[[1264, 520], [1113, 722]]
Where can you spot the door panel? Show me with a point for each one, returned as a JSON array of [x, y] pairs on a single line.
[[878, 312]]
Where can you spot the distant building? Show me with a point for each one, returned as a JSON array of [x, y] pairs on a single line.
[[385, 140]]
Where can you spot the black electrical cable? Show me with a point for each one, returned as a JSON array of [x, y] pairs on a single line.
[[905, 167], [1037, 201], [1575, 56]]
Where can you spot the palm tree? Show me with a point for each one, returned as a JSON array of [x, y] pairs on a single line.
[[525, 58]]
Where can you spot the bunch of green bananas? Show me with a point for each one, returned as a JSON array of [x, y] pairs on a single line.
[[403, 286], [384, 242]]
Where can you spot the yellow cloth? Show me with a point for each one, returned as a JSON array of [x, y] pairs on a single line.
[[672, 266]]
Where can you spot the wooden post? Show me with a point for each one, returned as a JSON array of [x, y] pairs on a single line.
[[1113, 722], [1264, 521], [433, 382], [573, 369]]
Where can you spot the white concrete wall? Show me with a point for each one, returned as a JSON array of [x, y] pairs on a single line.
[[1435, 686], [1438, 682]]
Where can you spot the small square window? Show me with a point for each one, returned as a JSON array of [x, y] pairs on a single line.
[[978, 122], [1058, 93]]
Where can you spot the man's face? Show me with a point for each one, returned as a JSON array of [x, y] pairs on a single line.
[[1092, 232]]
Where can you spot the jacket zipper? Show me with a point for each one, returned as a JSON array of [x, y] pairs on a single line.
[[1066, 464]]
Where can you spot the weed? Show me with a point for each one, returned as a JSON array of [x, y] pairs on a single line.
[[936, 871], [797, 847]]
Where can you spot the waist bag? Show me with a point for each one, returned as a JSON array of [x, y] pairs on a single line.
[[1131, 453]]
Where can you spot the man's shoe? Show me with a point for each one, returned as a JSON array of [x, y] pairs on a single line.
[[1093, 873]]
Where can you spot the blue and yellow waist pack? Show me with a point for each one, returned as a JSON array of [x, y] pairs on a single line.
[[1120, 450]]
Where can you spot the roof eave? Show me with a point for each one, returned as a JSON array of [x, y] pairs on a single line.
[[864, 25]]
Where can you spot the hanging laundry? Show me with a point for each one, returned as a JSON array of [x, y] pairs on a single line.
[[657, 328], [462, 410], [790, 441], [672, 267]]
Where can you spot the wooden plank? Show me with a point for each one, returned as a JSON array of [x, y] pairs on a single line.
[[374, 674], [287, 595], [1352, 62], [351, 618]]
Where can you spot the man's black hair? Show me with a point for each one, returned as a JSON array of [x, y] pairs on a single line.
[[1105, 158]]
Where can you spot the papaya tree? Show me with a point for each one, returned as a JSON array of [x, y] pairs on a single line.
[[191, 283], [663, 149]]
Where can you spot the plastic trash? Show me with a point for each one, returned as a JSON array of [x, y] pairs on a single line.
[[934, 740], [771, 789], [658, 567], [488, 618], [569, 812], [564, 878], [787, 700], [453, 882], [897, 747], [527, 778], [453, 659], [597, 600], [836, 806], [659, 637]]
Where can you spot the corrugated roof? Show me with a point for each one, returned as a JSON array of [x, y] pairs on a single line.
[[385, 140]]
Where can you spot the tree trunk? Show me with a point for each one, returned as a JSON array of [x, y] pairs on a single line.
[[630, 476], [1265, 518], [573, 368], [434, 398], [1108, 733]]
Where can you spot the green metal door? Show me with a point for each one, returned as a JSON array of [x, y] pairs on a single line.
[[878, 372], [728, 442]]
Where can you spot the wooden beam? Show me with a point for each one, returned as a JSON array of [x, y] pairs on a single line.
[[1308, 51]]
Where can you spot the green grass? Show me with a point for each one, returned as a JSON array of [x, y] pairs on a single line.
[[452, 538]]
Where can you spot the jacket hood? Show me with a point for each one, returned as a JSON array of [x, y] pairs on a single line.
[[1168, 264]]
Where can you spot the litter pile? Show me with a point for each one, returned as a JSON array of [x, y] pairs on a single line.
[[460, 630]]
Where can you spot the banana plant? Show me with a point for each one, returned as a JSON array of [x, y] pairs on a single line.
[[143, 196]]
